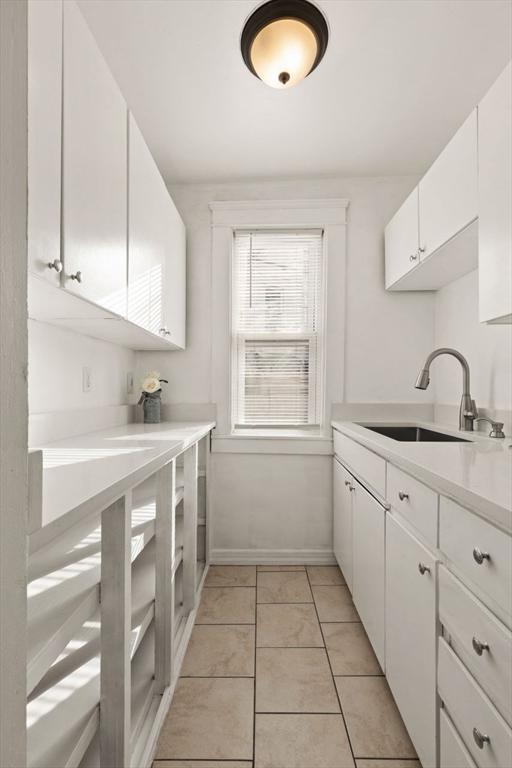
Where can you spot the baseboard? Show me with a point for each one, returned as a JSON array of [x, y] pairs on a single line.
[[272, 557]]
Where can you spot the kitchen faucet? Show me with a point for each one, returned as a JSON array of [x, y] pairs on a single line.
[[468, 411]]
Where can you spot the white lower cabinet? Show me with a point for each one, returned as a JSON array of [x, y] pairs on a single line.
[[342, 519], [368, 565], [411, 636], [453, 753], [484, 732]]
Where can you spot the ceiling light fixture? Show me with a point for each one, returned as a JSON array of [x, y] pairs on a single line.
[[283, 41]]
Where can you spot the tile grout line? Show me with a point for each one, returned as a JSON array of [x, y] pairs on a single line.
[[332, 676]]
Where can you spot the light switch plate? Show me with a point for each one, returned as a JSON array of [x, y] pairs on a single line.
[[86, 379]]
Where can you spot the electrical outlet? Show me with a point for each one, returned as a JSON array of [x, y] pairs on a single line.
[[86, 379], [129, 383]]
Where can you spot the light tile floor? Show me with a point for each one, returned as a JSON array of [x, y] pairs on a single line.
[[279, 673]]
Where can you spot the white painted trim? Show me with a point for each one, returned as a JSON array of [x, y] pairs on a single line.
[[13, 380], [303, 446], [272, 557], [266, 213]]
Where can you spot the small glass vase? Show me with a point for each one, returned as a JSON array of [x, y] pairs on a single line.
[[151, 407]]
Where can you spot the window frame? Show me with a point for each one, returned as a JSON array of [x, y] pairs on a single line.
[[330, 215], [237, 341]]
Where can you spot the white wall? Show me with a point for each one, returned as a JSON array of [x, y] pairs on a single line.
[[58, 406], [56, 359], [388, 335], [487, 348], [283, 503]]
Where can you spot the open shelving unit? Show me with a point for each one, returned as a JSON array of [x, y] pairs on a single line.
[[137, 565]]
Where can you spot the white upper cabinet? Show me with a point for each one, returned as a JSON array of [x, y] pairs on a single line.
[[44, 136], [448, 193], [495, 201], [175, 275], [146, 247], [94, 171], [447, 206], [156, 248], [402, 240]]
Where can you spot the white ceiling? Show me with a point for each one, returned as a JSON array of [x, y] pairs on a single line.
[[398, 78]]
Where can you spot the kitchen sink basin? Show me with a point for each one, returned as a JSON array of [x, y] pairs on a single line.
[[412, 434]]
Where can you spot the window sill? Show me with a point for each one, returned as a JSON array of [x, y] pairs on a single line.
[[276, 441]]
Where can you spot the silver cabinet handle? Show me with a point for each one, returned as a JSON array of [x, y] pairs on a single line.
[[423, 569], [56, 264], [164, 331], [413, 257], [479, 556], [349, 485], [77, 276], [479, 647], [480, 738], [403, 496]]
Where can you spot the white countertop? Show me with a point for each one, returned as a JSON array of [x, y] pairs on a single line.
[[90, 469], [477, 474]]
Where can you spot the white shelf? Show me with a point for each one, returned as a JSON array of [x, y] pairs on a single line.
[[67, 699]]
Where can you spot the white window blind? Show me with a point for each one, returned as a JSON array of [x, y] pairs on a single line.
[[277, 290]]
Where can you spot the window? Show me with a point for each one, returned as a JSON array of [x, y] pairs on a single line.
[[277, 328]]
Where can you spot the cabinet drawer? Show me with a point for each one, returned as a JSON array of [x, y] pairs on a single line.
[[453, 751], [413, 500], [367, 465], [472, 712], [463, 537], [470, 623]]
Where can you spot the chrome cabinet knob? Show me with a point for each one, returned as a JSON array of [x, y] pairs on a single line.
[[479, 647], [349, 485], [480, 738], [164, 331], [403, 496], [77, 276], [423, 569], [479, 556], [56, 264], [413, 257]]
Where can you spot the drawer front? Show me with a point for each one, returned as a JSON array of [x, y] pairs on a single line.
[[367, 465], [472, 627], [465, 539], [453, 751], [413, 500], [470, 709]]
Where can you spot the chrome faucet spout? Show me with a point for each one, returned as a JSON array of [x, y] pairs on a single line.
[[468, 411]]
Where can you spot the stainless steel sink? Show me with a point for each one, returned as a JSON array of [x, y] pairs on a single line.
[[412, 434]]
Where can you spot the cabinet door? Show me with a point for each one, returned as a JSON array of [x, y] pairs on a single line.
[[448, 193], [342, 519], [175, 275], [94, 170], [402, 240], [44, 136], [411, 631], [146, 242], [368, 566], [495, 200]]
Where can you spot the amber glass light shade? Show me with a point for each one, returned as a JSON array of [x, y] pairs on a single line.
[[283, 41]]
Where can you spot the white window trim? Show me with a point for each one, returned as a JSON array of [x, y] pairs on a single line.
[[327, 214]]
